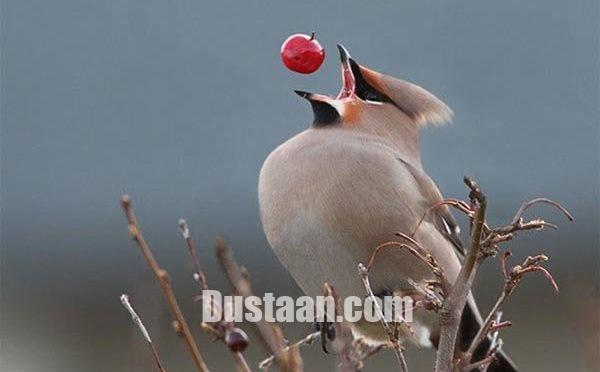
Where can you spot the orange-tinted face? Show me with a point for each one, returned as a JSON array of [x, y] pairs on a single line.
[[374, 99], [361, 89]]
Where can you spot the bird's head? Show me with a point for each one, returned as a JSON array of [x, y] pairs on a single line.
[[372, 100]]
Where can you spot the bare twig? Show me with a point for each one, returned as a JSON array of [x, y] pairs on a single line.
[[240, 361], [512, 279], [458, 204], [506, 233], [483, 243], [530, 203], [199, 274], [496, 326], [418, 252], [219, 329], [287, 360], [179, 324], [308, 340], [488, 327], [352, 352], [495, 343], [495, 334], [138, 322], [349, 359], [389, 329], [457, 296], [484, 363]]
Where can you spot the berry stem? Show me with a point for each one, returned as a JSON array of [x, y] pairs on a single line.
[[312, 36]]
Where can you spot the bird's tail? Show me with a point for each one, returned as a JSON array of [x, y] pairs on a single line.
[[469, 326]]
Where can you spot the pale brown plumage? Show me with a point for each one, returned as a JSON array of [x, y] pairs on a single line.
[[331, 194]]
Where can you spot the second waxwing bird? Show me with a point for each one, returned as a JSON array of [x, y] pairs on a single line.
[[331, 194]]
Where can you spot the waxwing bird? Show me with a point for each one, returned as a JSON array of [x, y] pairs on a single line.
[[334, 192]]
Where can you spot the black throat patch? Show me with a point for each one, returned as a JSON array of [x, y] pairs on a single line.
[[325, 114]]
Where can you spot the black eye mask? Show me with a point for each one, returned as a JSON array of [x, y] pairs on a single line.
[[364, 90]]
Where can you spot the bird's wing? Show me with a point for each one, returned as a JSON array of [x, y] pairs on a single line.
[[441, 216]]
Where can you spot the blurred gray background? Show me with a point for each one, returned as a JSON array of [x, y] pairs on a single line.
[[178, 102]]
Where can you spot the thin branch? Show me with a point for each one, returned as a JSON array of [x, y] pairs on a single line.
[[308, 340], [349, 359], [496, 342], [457, 297], [287, 360], [503, 262], [423, 257], [352, 352], [496, 326], [530, 203], [484, 363], [456, 203], [512, 280], [220, 328], [239, 359], [398, 350], [506, 233], [179, 324], [496, 333], [483, 243], [487, 326], [199, 274], [138, 322]]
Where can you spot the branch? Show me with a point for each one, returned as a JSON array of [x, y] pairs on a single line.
[[198, 273], [138, 322], [398, 350], [353, 352], [458, 204], [418, 252], [496, 342], [528, 204], [484, 363], [457, 297], [179, 324], [349, 359], [308, 340], [506, 233], [223, 330], [512, 279], [286, 360]]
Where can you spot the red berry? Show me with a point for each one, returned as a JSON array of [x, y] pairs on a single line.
[[302, 53], [236, 339]]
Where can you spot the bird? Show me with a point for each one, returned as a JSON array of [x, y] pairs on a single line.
[[331, 194]]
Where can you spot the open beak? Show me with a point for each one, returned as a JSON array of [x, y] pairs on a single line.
[[348, 80], [328, 110], [348, 89]]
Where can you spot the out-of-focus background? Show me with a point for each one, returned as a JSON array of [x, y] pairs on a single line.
[[178, 102]]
